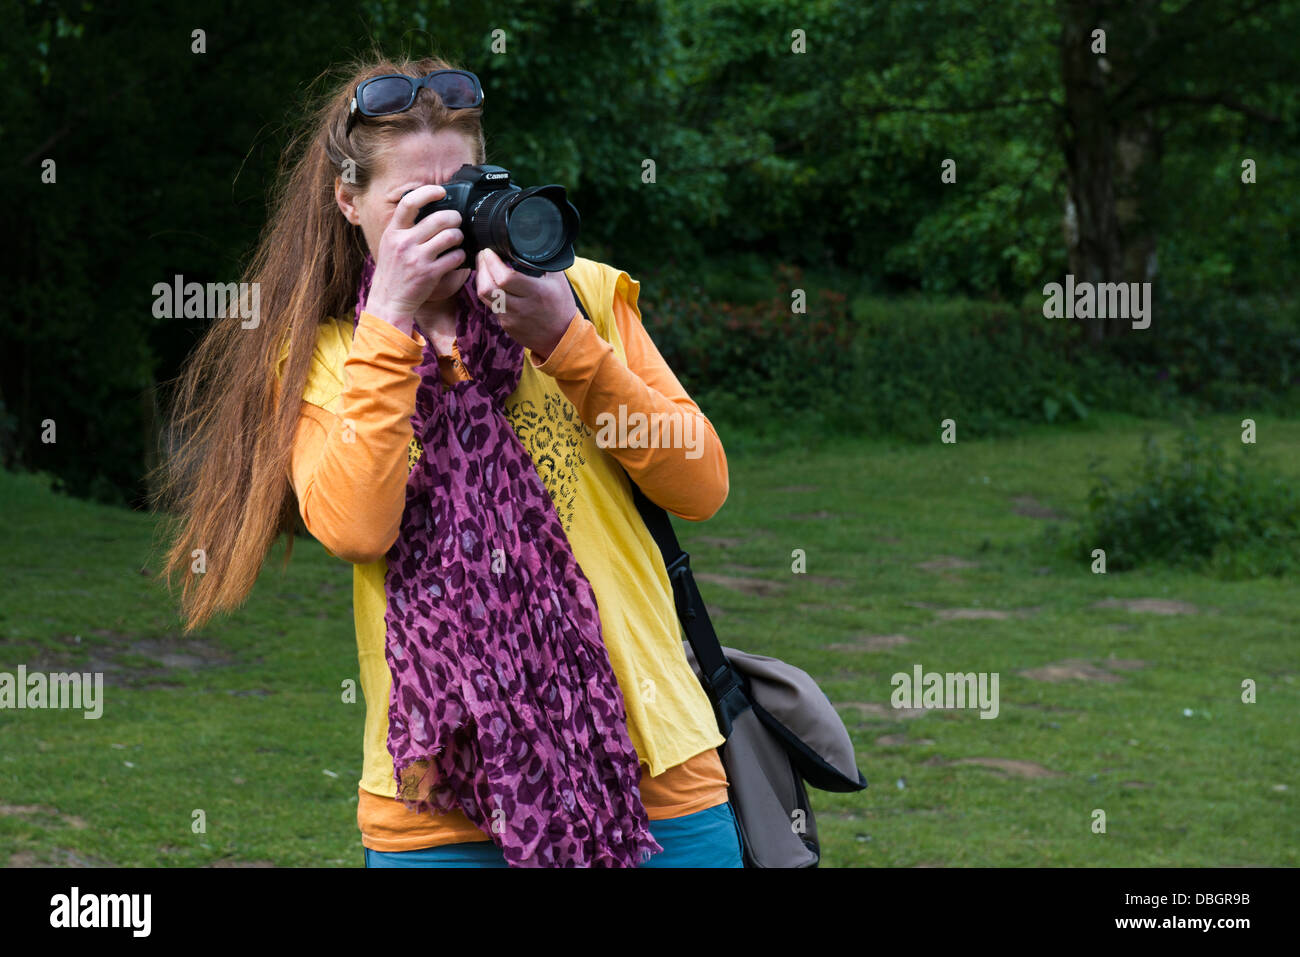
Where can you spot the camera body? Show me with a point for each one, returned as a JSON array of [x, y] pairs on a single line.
[[531, 229]]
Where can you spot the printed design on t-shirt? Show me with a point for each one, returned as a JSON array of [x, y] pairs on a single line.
[[413, 453], [554, 436]]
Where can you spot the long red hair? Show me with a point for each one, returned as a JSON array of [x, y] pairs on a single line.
[[224, 480]]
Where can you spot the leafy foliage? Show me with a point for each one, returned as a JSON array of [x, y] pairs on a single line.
[[875, 365], [828, 160], [1227, 353], [1200, 508]]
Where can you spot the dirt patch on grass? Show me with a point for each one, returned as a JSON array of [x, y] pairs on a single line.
[[944, 563], [900, 740], [1078, 669], [130, 660], [1030, 507], [1071, 670], [230, 863], [41, 810], [871, 643], [59, 857], [975, 614], [1011, 767], [1054, 708], [719, 541], [1150, 606], [870, 709], [750, 586], [972, 614]]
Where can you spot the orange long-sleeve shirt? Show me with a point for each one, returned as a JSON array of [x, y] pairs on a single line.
[[349, 472]]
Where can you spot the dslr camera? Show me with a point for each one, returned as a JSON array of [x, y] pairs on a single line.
[[531, 229]]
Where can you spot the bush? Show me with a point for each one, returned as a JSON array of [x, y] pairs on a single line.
[[1226, 353], [900, 366], [754, 363], [990, 366], [1200, 510], [877, 366]]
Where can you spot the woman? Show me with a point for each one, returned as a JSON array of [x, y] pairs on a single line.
[[528, 699]]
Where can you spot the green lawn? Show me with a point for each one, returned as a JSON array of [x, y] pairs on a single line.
[[915, 555]]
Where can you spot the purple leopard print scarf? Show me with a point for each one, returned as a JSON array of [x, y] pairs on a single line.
[[504, 702]]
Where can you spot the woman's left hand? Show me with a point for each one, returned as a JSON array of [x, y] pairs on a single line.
[[534, 312]]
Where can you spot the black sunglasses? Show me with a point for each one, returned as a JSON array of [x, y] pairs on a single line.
[[395, 92]]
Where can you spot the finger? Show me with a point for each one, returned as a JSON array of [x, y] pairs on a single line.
[[495, 299], [452, 259], [434, 224], [508, 278], [441, 241], [492, 265], [483, 278], [409, 205]]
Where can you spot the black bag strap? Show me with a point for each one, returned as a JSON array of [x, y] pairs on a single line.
[[724, 686], [721, 681]]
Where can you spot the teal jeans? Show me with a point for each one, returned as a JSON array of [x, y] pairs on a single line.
[[708, 838]]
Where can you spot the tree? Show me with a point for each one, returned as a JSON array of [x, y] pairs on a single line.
[[1128, 72]]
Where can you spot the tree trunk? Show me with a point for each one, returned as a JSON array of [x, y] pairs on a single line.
[[1112, 160]]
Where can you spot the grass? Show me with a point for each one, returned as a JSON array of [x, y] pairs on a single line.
[[248, 723]]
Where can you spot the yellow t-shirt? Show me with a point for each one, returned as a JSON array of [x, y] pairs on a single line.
[[670, 718]]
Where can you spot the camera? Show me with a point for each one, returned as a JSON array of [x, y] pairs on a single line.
[[531, 229]]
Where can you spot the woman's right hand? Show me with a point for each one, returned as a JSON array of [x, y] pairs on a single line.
[[412, 257]]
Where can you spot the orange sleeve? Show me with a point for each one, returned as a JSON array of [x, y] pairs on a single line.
[[690, 481], [349, 471]]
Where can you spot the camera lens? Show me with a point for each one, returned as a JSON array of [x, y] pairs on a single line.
[[536, 229]]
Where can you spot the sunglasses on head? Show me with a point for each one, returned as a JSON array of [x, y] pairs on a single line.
[[395, 92]]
